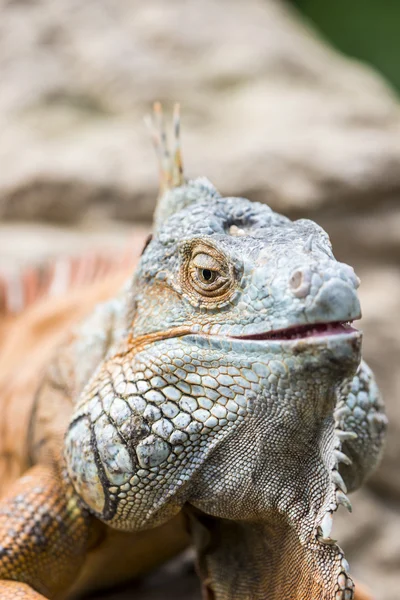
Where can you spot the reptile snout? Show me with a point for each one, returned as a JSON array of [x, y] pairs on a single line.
[[336, 300], [300, 282], [327, 291]]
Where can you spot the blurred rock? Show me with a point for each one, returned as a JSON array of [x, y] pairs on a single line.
[[371, 541], [380, 298], [269, 111]]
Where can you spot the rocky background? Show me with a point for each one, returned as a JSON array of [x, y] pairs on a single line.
[[269, 112]]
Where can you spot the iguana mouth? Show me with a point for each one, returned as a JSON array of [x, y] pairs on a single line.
[[303, 331]]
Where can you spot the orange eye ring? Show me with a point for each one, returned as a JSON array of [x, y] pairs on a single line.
[[211, 287]]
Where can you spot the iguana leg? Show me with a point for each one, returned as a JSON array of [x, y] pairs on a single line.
[[43, 537]]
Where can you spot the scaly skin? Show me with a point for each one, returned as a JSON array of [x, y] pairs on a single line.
[[210, 386]]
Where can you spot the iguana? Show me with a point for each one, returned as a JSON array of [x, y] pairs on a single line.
[[219, 396]]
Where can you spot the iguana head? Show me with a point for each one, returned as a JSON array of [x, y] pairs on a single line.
[[234, 269], [223, 393]]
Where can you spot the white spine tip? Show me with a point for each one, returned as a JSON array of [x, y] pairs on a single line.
[[326, 525], [308, 244], [342, 412], [342, 458], [345, 436], [338, 481], [327, 541], [342, 499]]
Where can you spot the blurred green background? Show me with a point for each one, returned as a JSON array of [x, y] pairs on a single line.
[[365, 29]]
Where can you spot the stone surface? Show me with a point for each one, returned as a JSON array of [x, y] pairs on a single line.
[[269, 112], [27, 243]]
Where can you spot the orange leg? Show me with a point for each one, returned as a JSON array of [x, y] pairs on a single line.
[[43, 537]]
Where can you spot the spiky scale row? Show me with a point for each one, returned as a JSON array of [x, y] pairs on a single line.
[[326, 524], [26, 286], [171, 167]]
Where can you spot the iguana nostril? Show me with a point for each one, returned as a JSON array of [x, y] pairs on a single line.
[[296, 279], [300, 282]]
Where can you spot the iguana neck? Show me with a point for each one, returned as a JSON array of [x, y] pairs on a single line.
[[265, 561]]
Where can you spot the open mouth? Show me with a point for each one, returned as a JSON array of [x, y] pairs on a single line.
[[303, 331]]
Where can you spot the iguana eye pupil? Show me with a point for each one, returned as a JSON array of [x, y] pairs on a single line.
[[207, 274]]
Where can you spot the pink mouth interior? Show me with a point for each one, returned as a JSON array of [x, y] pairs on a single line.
[[302, 331]]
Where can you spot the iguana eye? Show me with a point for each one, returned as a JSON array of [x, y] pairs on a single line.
[[208, 274]]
